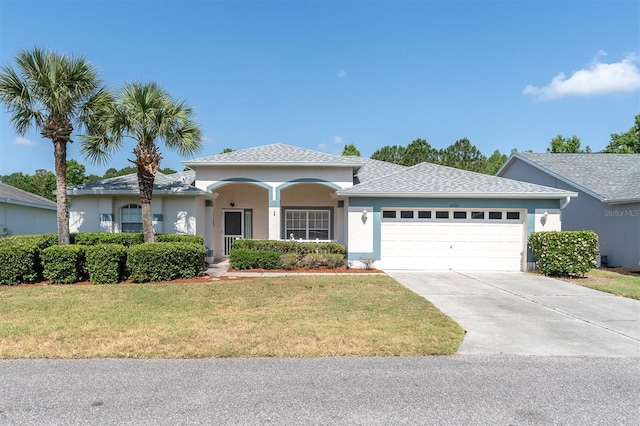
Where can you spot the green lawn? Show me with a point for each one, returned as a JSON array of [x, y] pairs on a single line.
[[627, 285], [293, 316]]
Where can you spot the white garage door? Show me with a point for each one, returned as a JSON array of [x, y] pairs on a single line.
[[478, 240]]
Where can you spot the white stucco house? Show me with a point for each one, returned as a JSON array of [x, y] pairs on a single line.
[[609, 196], [24, 213], [421, 217]]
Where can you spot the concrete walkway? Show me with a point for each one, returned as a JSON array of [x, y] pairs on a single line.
[[528, 314]]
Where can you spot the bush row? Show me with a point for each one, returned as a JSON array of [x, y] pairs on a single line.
[[29, 259], [301, 248], [241, 258], [564, 253]]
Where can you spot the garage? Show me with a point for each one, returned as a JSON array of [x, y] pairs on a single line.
[[441, 239]]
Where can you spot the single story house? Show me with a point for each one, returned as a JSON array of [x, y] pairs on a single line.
[[24, 213], [609, 196], [421, 217]]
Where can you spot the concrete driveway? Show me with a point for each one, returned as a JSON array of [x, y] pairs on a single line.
[[525, 314]]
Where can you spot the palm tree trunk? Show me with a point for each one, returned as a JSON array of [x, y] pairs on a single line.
[[147, 161], [60, 156]]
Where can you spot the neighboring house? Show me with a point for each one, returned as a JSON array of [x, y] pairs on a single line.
[[421, 217], [24, 213], [609, 196]]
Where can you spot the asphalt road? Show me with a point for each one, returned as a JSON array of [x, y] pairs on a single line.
[[456, 390]]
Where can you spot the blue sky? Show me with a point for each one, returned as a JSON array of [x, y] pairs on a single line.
[[320, 74]]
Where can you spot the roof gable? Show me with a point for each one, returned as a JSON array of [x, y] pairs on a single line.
[[427, 179], [611, 178], [277, 154]]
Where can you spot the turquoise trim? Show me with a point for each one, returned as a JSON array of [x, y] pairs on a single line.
[[446, 203], [274, 203], [332, 223], [158, 217], [224, 182], [106, 217], [305, 180]]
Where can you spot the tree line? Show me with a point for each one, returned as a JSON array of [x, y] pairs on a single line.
[[43, 182]]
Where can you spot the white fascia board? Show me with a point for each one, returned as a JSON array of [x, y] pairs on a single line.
[[169, 193], [508, 195], [622, 201], [269, 164], [28, 204]]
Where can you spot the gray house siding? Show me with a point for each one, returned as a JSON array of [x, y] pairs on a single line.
[[617, 226]]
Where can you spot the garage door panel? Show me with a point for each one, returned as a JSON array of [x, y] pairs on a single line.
[[452, 244]]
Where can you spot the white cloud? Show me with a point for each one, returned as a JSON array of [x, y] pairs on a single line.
[[20, 140], [322, 146], [598, 79], [342, 73], [337, 139]]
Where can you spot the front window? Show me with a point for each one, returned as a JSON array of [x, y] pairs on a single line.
[[131, 218], [307, 224]]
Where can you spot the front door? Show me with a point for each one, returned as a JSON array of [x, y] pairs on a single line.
[[232, 229]]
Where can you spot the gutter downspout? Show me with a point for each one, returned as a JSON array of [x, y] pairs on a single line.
[[565, 203]]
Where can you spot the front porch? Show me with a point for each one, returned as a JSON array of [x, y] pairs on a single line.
[[304, 211]]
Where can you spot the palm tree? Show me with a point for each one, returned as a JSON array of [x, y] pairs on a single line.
[[51, 92], [145, 113]]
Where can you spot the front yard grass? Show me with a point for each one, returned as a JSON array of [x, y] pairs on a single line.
[[625, 284], [293, 316]]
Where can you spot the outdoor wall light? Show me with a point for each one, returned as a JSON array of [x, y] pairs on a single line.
[[232, 204], [543, 219], [364, 214]]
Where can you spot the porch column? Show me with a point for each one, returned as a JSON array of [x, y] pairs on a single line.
[[208, 230], [274, 219]]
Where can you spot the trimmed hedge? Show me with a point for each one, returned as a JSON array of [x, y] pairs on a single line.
[[164, 261], [95, 238], [106, 263], [564, 252], [64, 264], [20, 257], [251, 259], [301, 248], [180, 238]]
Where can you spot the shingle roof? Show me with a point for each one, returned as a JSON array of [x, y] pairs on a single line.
[[608, 177], [13, 195], [277, 154], [176, 183], [373, 169], [433, 180]]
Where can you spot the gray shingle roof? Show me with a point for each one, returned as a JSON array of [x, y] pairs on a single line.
[[608, 177], [433, 180], [13, 195], [277, 154], [177, 183], [373, 169]]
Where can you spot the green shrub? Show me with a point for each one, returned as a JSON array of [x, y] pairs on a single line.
[[64, 264], [251, 259], [20, 260], [334, 260], [106, 263], [164, 261], [313, 260], [289, 261], [180, 238], [301, 248], [564, 252], [94, 238]]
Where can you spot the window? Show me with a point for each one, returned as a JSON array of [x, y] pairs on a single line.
[[131, 218], [459, 215], [307, 224], [442, 215], [477, 215], [513, 215], [389, 214], [495, 215], [424, 215], [406, 214]]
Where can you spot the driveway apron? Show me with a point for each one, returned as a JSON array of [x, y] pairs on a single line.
[[520, 313]]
